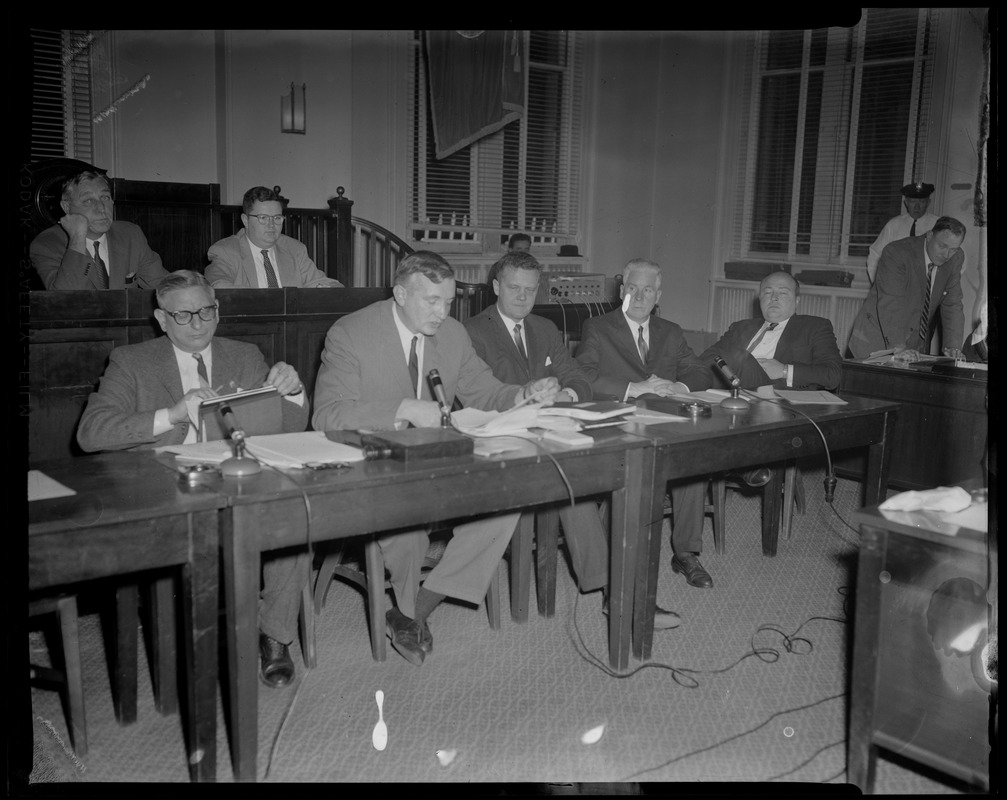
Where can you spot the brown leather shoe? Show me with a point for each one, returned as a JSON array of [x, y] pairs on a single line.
[[756, 477], [688, 563], [276, 665], [404, 634]]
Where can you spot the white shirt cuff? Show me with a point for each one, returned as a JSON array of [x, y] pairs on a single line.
[[161, 422], [790, 374]]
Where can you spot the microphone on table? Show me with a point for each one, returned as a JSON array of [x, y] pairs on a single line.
[[435, 381], [240, 464], [735, 402]]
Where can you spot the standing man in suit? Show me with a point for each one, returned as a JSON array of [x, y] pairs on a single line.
[[374, 375], [628, 353], [520, 347], [915, 220], [786, 349], [149, 397], [88, 249], [919, 280], [259, 256]]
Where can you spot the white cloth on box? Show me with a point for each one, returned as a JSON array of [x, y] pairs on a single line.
[[943, 498]]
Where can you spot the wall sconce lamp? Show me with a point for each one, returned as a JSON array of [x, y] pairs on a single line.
[[292, 113]]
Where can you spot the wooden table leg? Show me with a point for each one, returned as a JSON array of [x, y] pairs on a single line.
[[647, 496], [241, 580], [771, 504], [124, 659], [520, 567], [546, 555], [878, 461], [200, 604], [164, 655]]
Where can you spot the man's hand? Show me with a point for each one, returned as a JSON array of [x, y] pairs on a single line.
[[546, 388], [75, 226], [180, 411], [954, 353], [285, 378], [906, 355], [658, 386], [421, 413], [564, 397], [773, 368]]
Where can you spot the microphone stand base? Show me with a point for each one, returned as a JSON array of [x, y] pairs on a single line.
[[240, 467], [734, 404]]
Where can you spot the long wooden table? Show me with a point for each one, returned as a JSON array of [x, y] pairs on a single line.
[[130, 514], [268, 511], [767, 434]]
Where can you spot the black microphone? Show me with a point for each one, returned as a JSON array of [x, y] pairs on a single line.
[[735, 402], [435, 381], [240, 464]]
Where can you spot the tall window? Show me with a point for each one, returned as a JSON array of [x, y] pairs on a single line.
[[836, 125], [61, 94], [523, 178]]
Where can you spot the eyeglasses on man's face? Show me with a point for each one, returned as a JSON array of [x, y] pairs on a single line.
[[206, 313], [265, 219]]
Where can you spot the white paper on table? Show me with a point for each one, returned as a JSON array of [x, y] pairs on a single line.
[[289, 450], [515, 422], [943, 498], [42, 487]]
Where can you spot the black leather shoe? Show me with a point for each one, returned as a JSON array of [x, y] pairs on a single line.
[[757, 477], [276, 665], [689, 565], [404, 634], [426, 638]]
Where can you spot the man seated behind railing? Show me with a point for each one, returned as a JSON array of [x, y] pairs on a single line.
[[260, 256]]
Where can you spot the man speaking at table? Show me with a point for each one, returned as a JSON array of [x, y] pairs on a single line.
[[148, 397], [628, 353], [374, 375]]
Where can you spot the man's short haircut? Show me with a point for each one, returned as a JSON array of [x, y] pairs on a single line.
[[793, 280], [430, 265], [643, 264], [517, 237], [516, 260], [87, 175], [258, 194], [949, 224], [182, 279]]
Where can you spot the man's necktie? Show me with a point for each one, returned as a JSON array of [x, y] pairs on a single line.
[[204, 383], [758, 339], [414, 364], [925, 316], [271, 281], [519, 341], [912, 230], [102, 269], [641, 343]]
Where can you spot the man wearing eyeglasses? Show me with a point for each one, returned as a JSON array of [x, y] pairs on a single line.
[[88, 249], [149, 396], [260, 256]]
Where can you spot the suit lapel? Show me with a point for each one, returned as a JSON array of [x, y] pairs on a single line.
[[288, 275], [392, 345], [625, 339], [116, 259], [165, 367], [247, 261]]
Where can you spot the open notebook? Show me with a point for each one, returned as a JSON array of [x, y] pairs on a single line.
[[292, 450]]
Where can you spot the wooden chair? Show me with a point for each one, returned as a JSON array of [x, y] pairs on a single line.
[[69, 678], [372, 581]]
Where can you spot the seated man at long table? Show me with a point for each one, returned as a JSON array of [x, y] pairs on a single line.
[[784, 348], [144, 401], [373, 375], [631, 353], [88, 248], [520, 346]]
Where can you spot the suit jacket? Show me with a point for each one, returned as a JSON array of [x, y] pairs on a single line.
[[141, 378], [128, 254], [364, 376], [808, 343], [547, 355], [890, 315], [611, 360], [232, 267]]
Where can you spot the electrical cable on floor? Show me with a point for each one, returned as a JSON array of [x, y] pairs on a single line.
[[806, 761]]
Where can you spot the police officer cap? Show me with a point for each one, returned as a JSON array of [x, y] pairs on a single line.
[[917, 190]]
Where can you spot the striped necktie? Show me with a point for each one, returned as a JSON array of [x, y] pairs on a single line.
[[771, 326], [641, 343], [414, 365], [270, 272], [102, 269], [925, 315], [520, 342], [204, 383]]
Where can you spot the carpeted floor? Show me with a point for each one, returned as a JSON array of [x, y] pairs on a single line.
[[750, 688]]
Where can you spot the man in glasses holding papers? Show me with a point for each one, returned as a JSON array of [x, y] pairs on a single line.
[[260, 256], [149, 396]]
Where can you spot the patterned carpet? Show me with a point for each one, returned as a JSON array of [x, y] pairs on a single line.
[[750, 688]]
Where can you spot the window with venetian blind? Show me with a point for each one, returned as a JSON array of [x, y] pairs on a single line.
[[837, 121], [525, 177], [61, 94]]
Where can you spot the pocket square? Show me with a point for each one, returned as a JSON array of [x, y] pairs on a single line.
[[548, 360]]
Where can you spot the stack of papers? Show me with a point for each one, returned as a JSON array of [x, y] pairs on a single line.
[[805, 396], [291, 450], [591, 411]]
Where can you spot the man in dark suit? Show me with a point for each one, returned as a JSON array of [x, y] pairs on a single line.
[[374, 375], [87, 249], [918, 279], [149, 397], [259, 256], [785, 349], [520, 347], [628, 353]]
